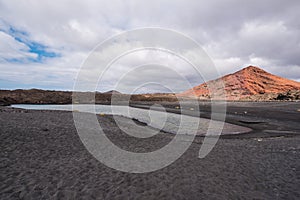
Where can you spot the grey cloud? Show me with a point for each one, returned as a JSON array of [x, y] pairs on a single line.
[[234, 33]]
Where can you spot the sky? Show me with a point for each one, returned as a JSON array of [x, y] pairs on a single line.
[[44, 44]]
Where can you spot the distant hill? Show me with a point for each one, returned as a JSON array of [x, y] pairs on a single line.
[[250, 83], [37, 96], [112, 92]]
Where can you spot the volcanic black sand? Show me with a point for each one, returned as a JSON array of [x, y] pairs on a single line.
[[42, 157]]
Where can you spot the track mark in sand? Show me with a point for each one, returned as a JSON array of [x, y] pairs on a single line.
[[251, 122]]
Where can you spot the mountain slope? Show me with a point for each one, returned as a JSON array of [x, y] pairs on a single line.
[[243, 84]]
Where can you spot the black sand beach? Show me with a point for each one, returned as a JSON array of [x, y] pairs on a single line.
[[42, 157]]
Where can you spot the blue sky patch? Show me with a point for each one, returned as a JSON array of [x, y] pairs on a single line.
[[42, 51]]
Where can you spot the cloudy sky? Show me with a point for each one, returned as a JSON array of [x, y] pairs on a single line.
[[43, 44]]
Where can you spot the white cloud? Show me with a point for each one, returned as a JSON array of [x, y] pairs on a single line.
[[234, 34], [13, 49]]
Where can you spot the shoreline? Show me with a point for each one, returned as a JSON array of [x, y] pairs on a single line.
[[256, 117]]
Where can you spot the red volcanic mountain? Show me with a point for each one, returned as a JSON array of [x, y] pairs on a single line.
[[244, 84]]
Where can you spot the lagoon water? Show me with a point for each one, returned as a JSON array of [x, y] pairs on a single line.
[[106, 109], [166, 121]]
